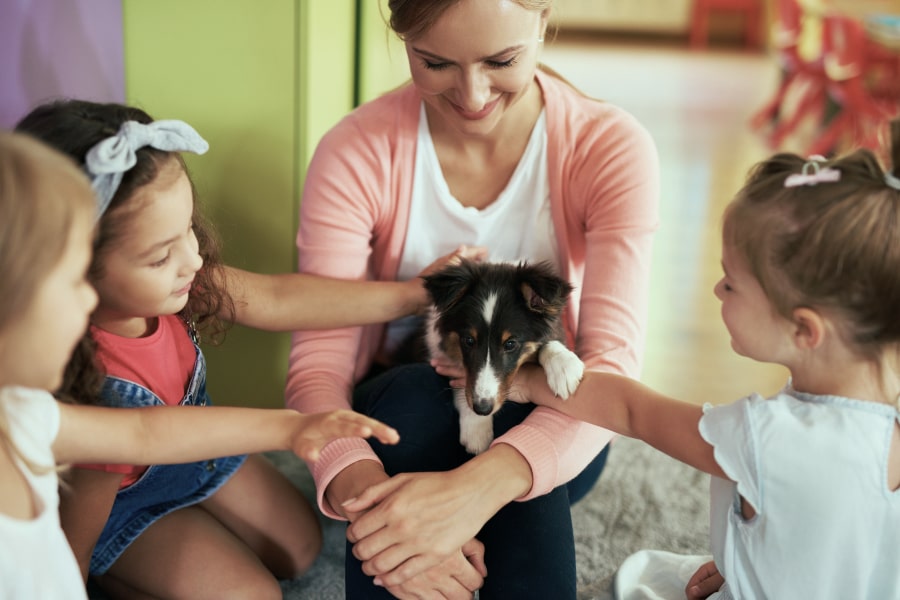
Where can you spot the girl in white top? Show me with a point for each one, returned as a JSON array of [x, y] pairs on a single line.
[[47, 214], [804, 493]]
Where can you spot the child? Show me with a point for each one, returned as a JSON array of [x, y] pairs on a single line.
[[47, 213], [804, 493], [156, 270]]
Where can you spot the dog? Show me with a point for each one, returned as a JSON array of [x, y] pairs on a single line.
[[490, 318]]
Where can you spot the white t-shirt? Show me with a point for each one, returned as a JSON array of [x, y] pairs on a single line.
[[36, 561], [516, 226]]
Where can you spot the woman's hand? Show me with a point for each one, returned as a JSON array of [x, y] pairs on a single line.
[[457, 577], [415, 521], [312, 432], [520, 390], [704, 582]]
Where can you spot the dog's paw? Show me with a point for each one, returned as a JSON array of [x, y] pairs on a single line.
[[476, 432], [563, 368]]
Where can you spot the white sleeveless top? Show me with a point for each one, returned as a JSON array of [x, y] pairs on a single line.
[[35, 558], [516, 226]]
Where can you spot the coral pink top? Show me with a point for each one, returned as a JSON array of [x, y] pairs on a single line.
[[604, 187], [162, 362]]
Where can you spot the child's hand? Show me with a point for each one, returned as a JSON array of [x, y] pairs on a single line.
[[420, 295], [447, 368], [476, 253], [704, 582], [315, 431]]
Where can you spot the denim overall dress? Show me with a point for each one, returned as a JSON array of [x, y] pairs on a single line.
[[162, 488]]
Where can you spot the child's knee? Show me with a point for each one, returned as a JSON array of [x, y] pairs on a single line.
[[298, 559], [259, 588]]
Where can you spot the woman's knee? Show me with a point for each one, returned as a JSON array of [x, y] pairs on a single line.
[[418, 403]]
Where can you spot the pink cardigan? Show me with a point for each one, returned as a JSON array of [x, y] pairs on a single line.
[[604, 187]]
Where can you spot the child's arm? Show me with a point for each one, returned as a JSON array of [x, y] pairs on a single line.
[[178, 434], [630, 408], [299, 301]]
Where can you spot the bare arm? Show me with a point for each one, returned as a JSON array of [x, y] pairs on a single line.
[[169, 434], [298, 301], [301, 301], [630, 408]]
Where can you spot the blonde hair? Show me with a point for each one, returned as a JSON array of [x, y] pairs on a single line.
[[833, 246], [41, 193]]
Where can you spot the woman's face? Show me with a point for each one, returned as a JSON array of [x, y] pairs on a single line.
[[475, 63]]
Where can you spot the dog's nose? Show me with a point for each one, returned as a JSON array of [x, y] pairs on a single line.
[[483, 406]]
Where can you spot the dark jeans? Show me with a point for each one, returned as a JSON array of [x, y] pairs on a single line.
[[529, 546]]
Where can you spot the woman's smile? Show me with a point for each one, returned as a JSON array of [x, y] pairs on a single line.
[[477, 115]]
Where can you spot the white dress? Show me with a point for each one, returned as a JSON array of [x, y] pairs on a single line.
[[815, 469], [36, 562]]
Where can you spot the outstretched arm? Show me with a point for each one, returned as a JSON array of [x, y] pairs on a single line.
[[630, 408], [300, 301], [177, 434], [297, 301]]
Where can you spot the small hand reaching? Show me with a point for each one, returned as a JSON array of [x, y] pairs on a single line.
[[315, 431]]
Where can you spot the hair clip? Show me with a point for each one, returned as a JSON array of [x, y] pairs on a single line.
[[818, 174], [892, 180]]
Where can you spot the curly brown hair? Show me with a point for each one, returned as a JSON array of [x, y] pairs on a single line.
[[76, 126]]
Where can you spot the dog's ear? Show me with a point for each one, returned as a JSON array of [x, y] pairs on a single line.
[[448, 286], [544, 291]]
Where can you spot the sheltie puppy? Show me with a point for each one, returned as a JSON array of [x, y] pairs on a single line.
[[490, 318]]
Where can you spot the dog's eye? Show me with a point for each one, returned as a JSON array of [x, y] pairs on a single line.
[[510, 346], [468, 341]]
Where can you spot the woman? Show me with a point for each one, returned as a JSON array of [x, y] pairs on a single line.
[[486, 148]]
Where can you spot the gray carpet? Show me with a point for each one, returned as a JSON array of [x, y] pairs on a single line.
[[644, 499]]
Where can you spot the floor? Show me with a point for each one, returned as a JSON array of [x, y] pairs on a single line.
[[696, 105]]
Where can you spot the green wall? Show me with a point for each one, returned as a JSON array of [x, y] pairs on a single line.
[[261, 81], [382, 58]]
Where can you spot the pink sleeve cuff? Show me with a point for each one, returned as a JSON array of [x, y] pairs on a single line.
[[556, 447], [335, 457]]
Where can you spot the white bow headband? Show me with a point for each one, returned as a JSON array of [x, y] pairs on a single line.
[[109, 159]]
